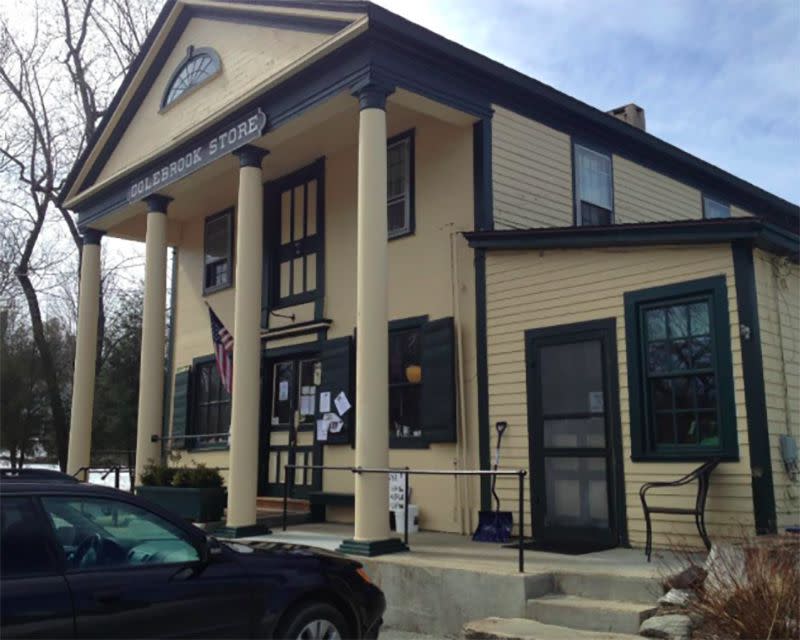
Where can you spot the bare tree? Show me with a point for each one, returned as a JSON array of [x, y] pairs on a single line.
[[58, 72]]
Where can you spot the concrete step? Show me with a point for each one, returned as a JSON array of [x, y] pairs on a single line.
[[590, 614], [599, 586], [521, 629]]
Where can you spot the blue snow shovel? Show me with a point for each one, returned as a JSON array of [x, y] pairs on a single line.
[[494, 526]]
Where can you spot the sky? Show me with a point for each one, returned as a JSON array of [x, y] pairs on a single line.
[[717, 78]]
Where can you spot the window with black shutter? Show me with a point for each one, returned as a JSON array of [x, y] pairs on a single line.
[[422, 382]]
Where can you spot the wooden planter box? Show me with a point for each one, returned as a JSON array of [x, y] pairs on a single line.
[[197, 505]]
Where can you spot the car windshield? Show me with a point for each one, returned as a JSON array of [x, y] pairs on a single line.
[[103, 532]]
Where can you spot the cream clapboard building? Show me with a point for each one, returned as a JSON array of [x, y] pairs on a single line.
[[388, 221]]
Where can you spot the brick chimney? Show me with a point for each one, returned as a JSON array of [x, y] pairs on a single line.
[[631, 113]]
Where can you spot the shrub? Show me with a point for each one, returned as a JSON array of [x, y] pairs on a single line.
[[157, 475], [198, 477], [752, 590]]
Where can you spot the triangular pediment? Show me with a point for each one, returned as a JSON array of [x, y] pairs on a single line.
[[255, 44]]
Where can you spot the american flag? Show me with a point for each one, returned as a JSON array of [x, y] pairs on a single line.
[[223, 350]]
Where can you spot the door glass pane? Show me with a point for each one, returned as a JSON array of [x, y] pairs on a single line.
[[282, 393], [285, 278], [311, 272], [299, 206], [576, 492], [311, 208], [297, 283], [286, 217], [583, 432], [572, 378]]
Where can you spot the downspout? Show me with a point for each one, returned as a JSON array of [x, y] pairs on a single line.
[[173, 297]]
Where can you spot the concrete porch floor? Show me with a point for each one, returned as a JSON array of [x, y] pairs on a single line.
[[454, 551], [447, 580]]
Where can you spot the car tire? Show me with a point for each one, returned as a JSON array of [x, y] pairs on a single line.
[[315, 621]]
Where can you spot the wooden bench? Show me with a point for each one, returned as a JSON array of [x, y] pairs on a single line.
[[703, 476], [318, 500]]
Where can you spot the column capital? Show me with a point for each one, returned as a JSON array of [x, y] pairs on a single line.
[[250, 155], [92, 236], [157, 203], [372, 93]]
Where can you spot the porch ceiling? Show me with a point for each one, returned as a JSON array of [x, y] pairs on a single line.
[[319, 132]]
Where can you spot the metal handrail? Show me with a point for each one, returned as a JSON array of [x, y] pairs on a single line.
[[115, 469], [520, 473]]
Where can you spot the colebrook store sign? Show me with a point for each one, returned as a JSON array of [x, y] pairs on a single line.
[[223, 142]]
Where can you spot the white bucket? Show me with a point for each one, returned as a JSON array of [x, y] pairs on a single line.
[[413, 519]]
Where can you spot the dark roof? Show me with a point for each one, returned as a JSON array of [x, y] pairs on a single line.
[[691, 232], [518, 88]]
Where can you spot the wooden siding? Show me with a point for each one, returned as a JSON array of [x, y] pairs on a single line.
[[527, 290], [737, 212], [642, 195], [778, 284], [531, 173]]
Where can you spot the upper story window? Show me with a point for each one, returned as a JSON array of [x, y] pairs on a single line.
[[593, 187], [715, 209], [680, 371], [199, 66], [218, 252], [400, 184]]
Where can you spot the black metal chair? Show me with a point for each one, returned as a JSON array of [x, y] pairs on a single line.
[[703, 476]]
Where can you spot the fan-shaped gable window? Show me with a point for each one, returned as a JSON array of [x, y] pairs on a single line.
[[200, 65]]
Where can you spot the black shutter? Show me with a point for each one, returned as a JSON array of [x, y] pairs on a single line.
[[181, 405], [337, 376], [439, 381]]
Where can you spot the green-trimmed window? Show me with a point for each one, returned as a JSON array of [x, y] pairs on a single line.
[[680, 372]]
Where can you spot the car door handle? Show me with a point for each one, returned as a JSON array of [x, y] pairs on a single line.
[[107, 597]]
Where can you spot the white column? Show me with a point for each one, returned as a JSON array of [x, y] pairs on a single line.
[[151, 366], [372, 535], [245, 397], [80, 424]]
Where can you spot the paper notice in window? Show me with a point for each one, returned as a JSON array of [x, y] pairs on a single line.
[[335, 423], [342, 403], [283, 391], [307, 405], [322, 430], [596, 402], [325, 402]]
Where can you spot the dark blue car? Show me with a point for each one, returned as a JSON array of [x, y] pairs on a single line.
[[91, 562]]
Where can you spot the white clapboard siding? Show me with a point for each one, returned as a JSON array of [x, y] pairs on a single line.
[[778, 292], [528, 290]]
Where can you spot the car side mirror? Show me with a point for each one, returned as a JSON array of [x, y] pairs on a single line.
[[211, 549]]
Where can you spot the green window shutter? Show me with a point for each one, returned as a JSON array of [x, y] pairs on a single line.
[[439, 381], [337, 376], [181, 405]]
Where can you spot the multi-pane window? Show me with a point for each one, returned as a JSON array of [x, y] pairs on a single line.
[[405, 383], [300, 241], [212, 406], [680, 371], [399, 185], [682, 385], [218, 252], [715, 209], [197, 67], [593, 187]]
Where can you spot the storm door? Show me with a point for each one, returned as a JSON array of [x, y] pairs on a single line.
[[576, 476]]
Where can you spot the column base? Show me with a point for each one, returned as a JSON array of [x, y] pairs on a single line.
[[372, 547], [244, 531]]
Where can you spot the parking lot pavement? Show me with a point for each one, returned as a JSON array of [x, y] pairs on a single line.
[[387, 633]]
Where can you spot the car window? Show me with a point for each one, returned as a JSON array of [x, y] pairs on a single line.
[[24, 548], [100, 532]]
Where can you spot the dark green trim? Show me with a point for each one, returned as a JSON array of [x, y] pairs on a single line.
[[754, 391], [372, 548], [414, 322], [482, 174], [643, 450], [230, 214], [250, 156], [245, 531], [716, 231], [170, 348], [483, 376], [92, 236]]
